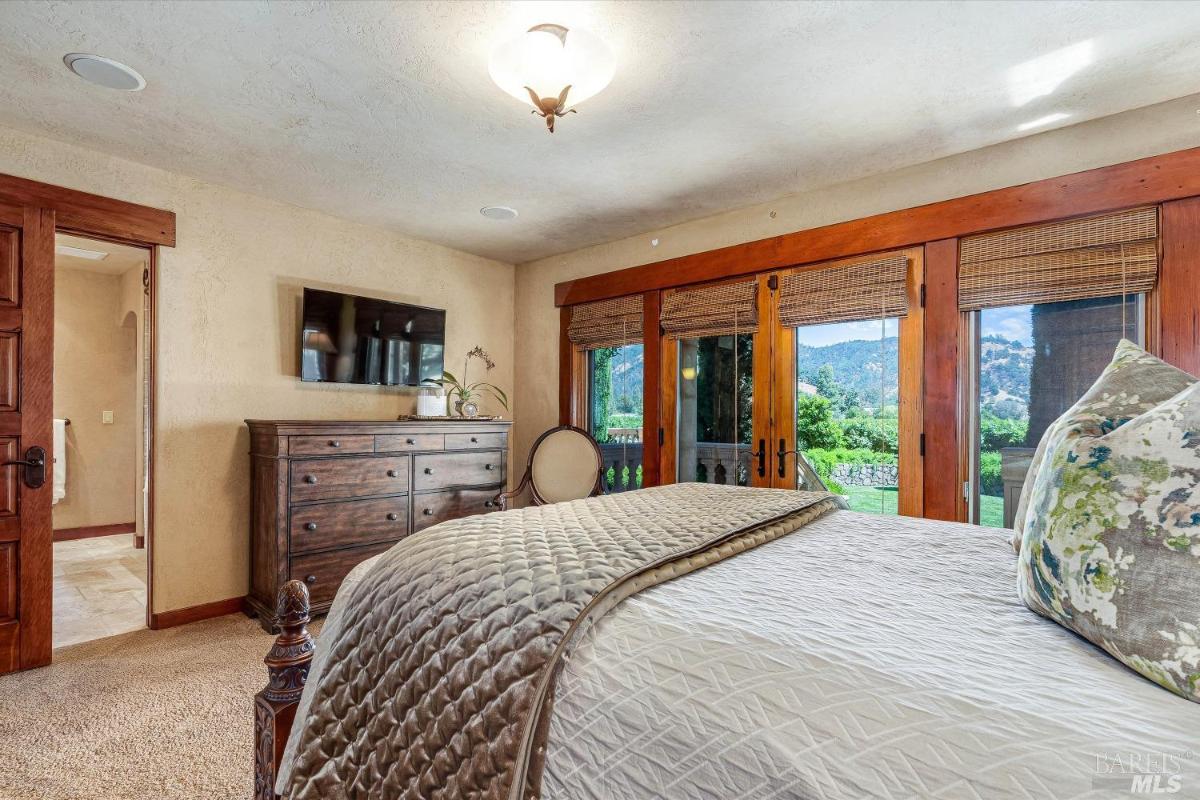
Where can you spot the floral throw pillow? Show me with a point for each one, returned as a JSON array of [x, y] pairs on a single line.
[[1134, 382], [1111, 546]]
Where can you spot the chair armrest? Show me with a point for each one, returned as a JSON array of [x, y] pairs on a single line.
[[502, 498]]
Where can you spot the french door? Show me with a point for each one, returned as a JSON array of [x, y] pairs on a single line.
[[787, 405]]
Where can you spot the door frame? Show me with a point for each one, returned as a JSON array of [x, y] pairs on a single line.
[[46, 210]]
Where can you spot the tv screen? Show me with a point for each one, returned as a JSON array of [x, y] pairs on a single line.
[[350, 339]]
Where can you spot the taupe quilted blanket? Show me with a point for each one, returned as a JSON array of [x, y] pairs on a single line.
[[435, 674]]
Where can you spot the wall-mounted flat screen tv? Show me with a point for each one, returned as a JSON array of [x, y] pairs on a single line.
[[349, 339]]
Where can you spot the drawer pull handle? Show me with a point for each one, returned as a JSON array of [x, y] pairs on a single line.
[[474, 440], [310, 478], [489, 466], [310, 526], [310, 579], [428, 512], [410, 441], [335, 443], [393, 516], [488, 503], [429, 470], [391, 473]]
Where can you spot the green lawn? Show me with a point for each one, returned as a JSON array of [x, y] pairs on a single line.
[[882, 500]]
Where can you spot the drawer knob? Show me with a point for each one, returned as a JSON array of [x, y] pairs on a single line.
[[335, 443], [393, 516], [310, 526], [428, 512], [310, 579], [489, 466], [310, 478], [429, 470], [410, 441], [391, 473], [474, 440], [488, 503]]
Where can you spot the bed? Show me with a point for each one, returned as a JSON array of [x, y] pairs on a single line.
[[852, 656]]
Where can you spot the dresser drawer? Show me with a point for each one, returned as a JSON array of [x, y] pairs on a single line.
[[403, 442], [430, 509], [476, 441], [335, 478], [323, 572], [439, 470], [348, 522], [330, 445]]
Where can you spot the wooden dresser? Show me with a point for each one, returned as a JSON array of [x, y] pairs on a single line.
[[326, 495]]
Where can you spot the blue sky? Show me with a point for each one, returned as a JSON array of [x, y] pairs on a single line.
[[822, 335], [1013, 323]]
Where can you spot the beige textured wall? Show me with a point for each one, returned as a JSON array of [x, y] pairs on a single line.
[[95, 370], [1136, 134], [227, 339]]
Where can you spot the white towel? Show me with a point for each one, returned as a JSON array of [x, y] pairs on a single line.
[[59, 490]]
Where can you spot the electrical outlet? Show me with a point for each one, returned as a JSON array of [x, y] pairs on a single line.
[[106, 417]]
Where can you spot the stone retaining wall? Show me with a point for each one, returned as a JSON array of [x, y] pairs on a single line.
[[866, 474]]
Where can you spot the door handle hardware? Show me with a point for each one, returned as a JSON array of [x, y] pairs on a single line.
[[34, 465]]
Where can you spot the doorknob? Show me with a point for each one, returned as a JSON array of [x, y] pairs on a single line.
[[761, 455], [35, 467]]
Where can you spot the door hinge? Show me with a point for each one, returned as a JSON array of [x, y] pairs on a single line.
[[773, 282], [966, 490], [922, 444], [661, 437], [922, 295]]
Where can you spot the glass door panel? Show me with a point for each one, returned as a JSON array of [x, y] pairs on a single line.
[[1030, 364], [847, 384], [615, 376], [715, 411]]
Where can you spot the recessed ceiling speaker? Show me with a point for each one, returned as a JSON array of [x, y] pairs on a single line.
[[105, 72], [498, 212]]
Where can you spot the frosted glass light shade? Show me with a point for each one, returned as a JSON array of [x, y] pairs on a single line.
[[548, 58]]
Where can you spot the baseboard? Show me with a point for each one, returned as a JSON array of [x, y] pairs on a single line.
[[182, 616], [91, 531]]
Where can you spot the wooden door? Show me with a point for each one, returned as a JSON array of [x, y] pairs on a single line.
[[26, 407]]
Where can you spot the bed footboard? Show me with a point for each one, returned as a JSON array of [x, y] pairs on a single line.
[[287, 669]]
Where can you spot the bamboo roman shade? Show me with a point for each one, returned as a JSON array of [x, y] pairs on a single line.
[[1113, 254], [606, 323], [845, 291], [717, 310]]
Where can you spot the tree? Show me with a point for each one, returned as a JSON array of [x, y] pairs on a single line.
[[601, 391], [815, 426]]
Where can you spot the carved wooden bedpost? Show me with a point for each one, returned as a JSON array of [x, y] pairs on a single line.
[[275, 706]]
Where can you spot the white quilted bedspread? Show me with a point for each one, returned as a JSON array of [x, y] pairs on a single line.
[[862, 657]]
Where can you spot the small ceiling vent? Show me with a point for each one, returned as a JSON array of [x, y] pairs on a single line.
[[498, 212]]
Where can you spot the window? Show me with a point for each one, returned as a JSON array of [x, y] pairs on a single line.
[[615, 413], [847, 404], [716, 411], [1031, 363]]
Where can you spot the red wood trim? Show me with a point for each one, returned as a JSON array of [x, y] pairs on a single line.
[[1146, 181], [942, 318], [36, 554], [1179, 285], [92, 531], [183, 616], [566, 359], [92, 214], [651, 387]]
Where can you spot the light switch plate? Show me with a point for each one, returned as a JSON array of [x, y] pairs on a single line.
[[106, 417]]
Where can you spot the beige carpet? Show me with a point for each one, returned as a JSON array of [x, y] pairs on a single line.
[[150, 714]]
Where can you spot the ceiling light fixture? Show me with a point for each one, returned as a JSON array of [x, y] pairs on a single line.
[[79, 252], [550, 66], [498, 212], [1041, 122], [105, 72]]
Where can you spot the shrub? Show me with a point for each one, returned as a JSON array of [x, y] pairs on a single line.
[[990, 481], [996, 432], [868, 433], [823, 461], [815, 426]]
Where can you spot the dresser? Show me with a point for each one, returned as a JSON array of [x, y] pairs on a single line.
[[326, 495]]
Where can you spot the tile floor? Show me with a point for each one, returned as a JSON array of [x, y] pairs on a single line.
[[99, 588]]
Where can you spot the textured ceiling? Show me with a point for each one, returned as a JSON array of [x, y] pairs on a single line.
[[384, 112]]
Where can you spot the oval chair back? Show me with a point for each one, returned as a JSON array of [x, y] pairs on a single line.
[[564, 464]]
